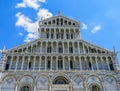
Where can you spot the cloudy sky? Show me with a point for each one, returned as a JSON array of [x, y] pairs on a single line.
[[100, 20]]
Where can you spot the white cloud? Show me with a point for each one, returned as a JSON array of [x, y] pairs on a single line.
[[21, 34], [35, 4], [43, 14], [42, 1], [95, 29], [29, 26], [84, 26]]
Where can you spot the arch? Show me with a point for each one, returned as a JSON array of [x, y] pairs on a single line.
[[101, 80], [110, 76], [27, 75], [42, 75], [61, 75], [10, 75], [60, 80]]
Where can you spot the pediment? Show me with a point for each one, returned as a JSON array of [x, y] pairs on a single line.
[[59, 20]]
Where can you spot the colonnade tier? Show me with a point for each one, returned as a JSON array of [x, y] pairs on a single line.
[[59, 47], [59, 63], [59, 33]]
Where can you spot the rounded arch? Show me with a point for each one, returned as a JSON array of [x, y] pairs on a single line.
[[93, 75], [42, 75], [62, 75], [60, 80], [110, 76], [9, 75], [26, 75]]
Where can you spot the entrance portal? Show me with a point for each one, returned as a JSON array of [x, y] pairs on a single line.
[[94, 88], [25, 88]]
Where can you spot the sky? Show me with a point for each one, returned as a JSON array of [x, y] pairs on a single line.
[[99, 20]]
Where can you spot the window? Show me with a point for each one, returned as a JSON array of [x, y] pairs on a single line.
[[71, 36], [52, 35], [71, 64], [29, 65], [49, 49], [60, 64], [7, 66], [90, 65], [67, 35], [60, 50], [70, 50], [47, 35], [61, 36], [111, 66], [48, 64], [57, 36]]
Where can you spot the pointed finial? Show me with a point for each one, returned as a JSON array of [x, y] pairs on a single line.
[[114, 49], [59, 13]]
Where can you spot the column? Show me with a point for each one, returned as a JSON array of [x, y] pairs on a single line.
[[63, 63], [85, 86], [51, 63], [50, 33], [56, 62], [28, 62], [63, 46], [46, 46], [74, 62], [22, 63], [70, 84], [97, 63], [80, 63], [64, 34], [103, 85], [50, 86], [11, 62], [68, 47], [83, 47], [69, 62], [52, 47], [108, 64], [16, 86], [54, 33], [34, 63], [45, 63], [41, 47], [73, 48], [91, 63], [17, 63], [34, 86], [40, 63], [102, 63], [78, 48], [56, 47]]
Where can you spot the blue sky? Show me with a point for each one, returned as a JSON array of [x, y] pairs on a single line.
[[100, 20]]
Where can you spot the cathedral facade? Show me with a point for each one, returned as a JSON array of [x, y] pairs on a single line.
[[59, 61]]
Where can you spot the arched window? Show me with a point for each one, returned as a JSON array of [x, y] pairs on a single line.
[[25, 88]]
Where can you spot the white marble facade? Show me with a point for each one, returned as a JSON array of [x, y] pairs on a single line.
[[59, 61]]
